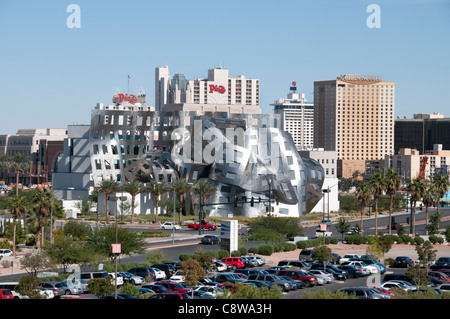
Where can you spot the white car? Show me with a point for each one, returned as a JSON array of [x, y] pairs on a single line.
[[388, 285], [369, 269], [213, 290], [220, 266], [47, 293], [178, 276], [347, 257], [261, 261], [159, 274], [320, 274], [119, 279], [5, 253], [169, 225]]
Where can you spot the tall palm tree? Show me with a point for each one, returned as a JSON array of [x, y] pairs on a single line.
[[19, 206], [20, 164], [181, 187], [156, 189], [416, 190], [441, 185], [133, 188], [107, 187], [378, 186], [363, 196], [427, 200], [392, 184], [6, 163], [45, 201], [204, 188]]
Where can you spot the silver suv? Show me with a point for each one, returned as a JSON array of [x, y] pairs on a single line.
[[273, 280]]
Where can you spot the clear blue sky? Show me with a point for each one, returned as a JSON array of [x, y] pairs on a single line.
[[52, 76]]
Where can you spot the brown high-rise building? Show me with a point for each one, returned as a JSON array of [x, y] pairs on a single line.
[[354, 116]]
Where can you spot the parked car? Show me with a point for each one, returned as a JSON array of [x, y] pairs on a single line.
[[5, 253], [307, 278], [439, 275], [259, 284], [88, 275], [174, 286], [156, 288], [390, 277], [347, 257], [249, 262], [6, 294], [70, 289], [443, 287], [335, 258], [403, 262], [198, 294], [175, 264], [360, 292], [294, 263], [159, 274], [233, 262], [353, 272], [445, 272], [146, 272], [368, 269], [441, 263], [55, 286], [131, 278], [220, 266], [169, 225], [127, 296], [371, 262], [274, 281], [296, 284], [327, 277], [214, 291], [178, 276], [339, 274], [227, 277], [261, 261], [388, 285], [169, 270], [306, 254], [210, 240]]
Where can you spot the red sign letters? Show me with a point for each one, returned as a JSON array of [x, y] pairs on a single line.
[[216, 88]]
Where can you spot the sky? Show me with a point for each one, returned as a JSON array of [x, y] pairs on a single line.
[[52, 75]]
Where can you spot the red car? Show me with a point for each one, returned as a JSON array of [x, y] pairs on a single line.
[[234, 262], [439, 275], [6, 294], [174, 287], [301, 275]]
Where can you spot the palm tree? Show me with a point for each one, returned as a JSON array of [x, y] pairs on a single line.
[[133, 188], [416, 190], [156, 189], [428, 201], [392, 184], [181, 186], [19, 207], [204, 188], [377, 185], [107, 187], [45, 200], [363, 196], [441, 185], [20, 164]]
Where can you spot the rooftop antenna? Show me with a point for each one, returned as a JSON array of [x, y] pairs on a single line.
[[128, 91]]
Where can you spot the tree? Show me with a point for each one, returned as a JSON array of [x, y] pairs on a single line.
[[275, 229], [204, 188], [181, 187], [133, 188], [193, 271], [102, 286], [100, 241], [241, 291], [84, 205], [427, 200], [427, 255], [416, 190], [19, 207], [343, 226], [45, 202], [107, 187], [392, 183], [33, 263], [29, 286], [377, 186], [363, 196], [441, 185], [322, 254], [156, 189], [20, 164]]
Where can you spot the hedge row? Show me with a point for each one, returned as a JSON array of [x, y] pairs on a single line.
[[315, 242]]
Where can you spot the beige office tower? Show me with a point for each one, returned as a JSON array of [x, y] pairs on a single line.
[[354, 116]]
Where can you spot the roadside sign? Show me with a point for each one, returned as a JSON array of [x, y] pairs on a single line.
[[323, 227], [116, 248], [208, 208]]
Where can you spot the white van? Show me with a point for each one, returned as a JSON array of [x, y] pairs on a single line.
[[88, 275]]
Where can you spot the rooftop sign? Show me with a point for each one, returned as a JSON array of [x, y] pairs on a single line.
[[357, 77]]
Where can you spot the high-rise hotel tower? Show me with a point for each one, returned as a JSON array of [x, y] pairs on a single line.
[[354, 115]]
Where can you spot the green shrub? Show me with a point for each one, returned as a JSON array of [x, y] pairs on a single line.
[[407, 240], [253, 250], [265, 250], [288, 246], [418, 240], [184, 257], [243, 250], [222, 254], [277, 248], [235, 253], [436, 239], [333, 241], [302, 244]]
